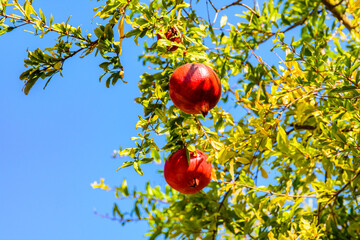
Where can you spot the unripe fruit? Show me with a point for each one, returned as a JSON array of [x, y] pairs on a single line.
[[195, 88], [187, 177], [170, 35]]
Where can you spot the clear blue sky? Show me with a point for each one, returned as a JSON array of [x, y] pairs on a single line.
[[54, 143]]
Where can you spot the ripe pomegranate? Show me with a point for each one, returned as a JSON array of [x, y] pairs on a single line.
[[195, 88], [171, 35], [187, 178]]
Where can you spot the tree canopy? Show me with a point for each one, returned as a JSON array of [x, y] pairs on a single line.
[[284, 140]]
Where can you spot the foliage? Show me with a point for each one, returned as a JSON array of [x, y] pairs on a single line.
[[293, 124]]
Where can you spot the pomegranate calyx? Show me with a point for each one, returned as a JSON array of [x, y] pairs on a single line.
[[194, 183]]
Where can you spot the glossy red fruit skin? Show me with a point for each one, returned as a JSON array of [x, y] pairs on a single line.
[[187, 178], [171, 35], [195, 88]]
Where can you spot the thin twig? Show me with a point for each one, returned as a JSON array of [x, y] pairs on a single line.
[[220, 206], [238, 2], [231, 4], [213, 6], [338, 192], [316, 90], [251, 10], [271, 193], [121, 220], [28, 21]]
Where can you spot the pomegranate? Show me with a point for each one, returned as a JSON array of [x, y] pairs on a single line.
[[195, 88], [187, 177], [171, 35]]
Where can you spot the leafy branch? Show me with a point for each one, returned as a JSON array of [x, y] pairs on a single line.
[[43, 25], [340, 16], [335, 195], [271, 193]]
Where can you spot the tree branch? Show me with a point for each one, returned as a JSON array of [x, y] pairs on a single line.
[[213, 6], [238, 2], [300, 127], [217, 217], [340, 16], [231, 4], [250, 9]]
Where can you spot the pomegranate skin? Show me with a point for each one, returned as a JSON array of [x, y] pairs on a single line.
[[187, 178], [170, 35], [195, 88]]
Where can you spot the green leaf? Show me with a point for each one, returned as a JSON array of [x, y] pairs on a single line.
[[131, 33], [225, 155], [264, 174], [282, 140], [137, 167], [124, 188], [182, 5], [242, 160], [126, 164], [343, 89], [30, 82], [187, 155], [161, 114], [137, 211], [155, 154], [146, 160], [6, 29], [116, 210], [57, 66], [355, 67]]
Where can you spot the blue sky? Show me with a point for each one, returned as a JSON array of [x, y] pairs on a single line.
[[54, 143]]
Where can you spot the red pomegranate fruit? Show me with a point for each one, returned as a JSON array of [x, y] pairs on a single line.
[[171, 35], [195, 88], [187, 177]]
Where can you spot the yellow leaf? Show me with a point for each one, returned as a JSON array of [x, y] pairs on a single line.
[[269, 144], [223, 21], [128, 20], [213, 175], [288, 186], [191, 148], [121, 31], [231, 170], [271, 236], [353, 5], [97, 14], [29, 9], [242, 160], [57, 66], [101, 185], [237, 95]]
